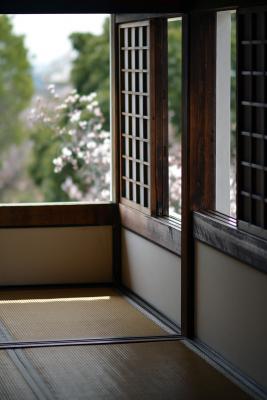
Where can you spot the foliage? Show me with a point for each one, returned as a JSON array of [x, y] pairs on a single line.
[[90, 70], [71, 148], [67, 178], [175, 74], [16, 86], [71, 151], [15, 183], [175, 181]]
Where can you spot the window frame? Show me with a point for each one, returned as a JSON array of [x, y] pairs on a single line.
[[229, 235], [81, 213], [222, 233], [247, 220], [198, 184], [154, 224], [123, 136], [198, 128], [61, 214]]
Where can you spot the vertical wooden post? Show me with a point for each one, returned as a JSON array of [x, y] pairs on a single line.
[[159, 108], [114, 112], [198, 186]]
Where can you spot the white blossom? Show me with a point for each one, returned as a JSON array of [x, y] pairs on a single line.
[[66, 152], [62, 106], [91, 96], [98, 127], [71, 189], [97, 112], [83, 124], [84, 146], [91, 145], [75, 116], [51, 88], [58, 163], [71, 132], [72, 99]]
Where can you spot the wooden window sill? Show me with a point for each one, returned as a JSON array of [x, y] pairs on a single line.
[[221, 232], [165, 232]]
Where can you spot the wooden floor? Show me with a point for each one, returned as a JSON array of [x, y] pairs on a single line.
[[166, 370]]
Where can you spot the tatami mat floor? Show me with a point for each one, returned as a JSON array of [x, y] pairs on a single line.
[[152, 371], [72, 313], [12, 383]]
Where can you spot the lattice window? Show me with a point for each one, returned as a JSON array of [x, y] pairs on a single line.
[[252, 120], [135, 115]]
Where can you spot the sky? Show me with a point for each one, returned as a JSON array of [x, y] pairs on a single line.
[[46, 35]]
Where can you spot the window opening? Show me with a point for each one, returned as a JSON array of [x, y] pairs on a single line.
[[175, 116], [226, 113], [54, 108], [135, 113]]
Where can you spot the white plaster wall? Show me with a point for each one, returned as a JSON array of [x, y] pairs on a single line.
[[231, 310], [55, 255], [153, 273]]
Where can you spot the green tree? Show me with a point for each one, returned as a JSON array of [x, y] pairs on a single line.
[[41, 169], [90, 70], [16, 86], [71, 150], [175, 74]]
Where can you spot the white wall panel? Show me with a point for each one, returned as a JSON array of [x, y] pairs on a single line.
[[153, 273], [231, 310]]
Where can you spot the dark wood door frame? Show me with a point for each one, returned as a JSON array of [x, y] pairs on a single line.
[[198, 161], [198, 184]]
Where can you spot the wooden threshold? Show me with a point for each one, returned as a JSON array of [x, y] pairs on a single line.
[[87, 342]]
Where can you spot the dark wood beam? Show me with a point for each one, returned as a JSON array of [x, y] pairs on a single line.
[[126, 10], [205, 5], [82, 6], [45, 215]]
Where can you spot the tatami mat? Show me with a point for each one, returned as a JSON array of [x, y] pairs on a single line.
[[72, 313], [166, 370], [12, 384]]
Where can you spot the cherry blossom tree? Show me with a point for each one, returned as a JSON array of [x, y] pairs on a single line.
[[80, 163]]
